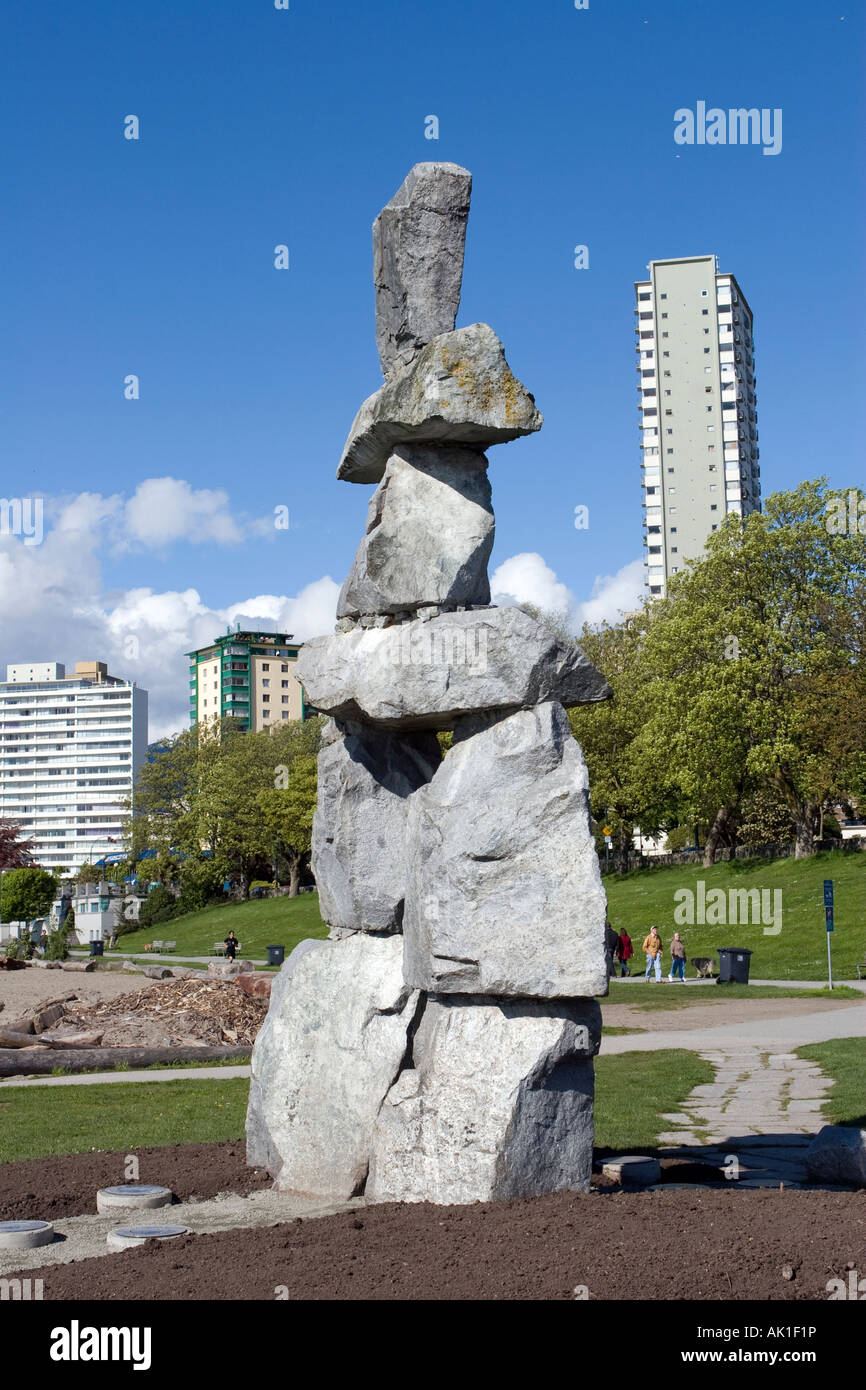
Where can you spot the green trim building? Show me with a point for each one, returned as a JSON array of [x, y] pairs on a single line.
[[247, 676]]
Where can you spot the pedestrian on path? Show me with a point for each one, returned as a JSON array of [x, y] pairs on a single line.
[[232, 945], [624, 953], [678, 959], [652, 948], [611, 946]]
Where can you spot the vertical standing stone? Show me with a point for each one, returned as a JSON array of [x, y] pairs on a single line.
[[418, 244]]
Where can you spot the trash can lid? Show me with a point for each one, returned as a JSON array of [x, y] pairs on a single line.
[[737, 950]]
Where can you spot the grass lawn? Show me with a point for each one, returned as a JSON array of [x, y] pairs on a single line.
[[257, 924], [672, 997], [634, 1090], [78, 1119], [843, 1059], [631, 1093], [645, 898]]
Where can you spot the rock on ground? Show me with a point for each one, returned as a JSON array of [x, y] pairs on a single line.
[[460, 390], [497, 1104], [418, 244], [428, 674], [359, 852], [429, 534], [838, 1154], [504, 890], [330, 1048]]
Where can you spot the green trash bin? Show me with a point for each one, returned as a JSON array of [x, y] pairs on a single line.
[[97, 948]]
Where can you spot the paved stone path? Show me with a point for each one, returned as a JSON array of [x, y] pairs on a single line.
[[754, 1093], [101, 1078]]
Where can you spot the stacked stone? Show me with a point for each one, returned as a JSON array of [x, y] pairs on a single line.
[[438, 1047]]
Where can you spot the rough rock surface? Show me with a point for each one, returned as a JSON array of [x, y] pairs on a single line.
[[418, 244], [359, 851], [504, 891], [427, 674], [838, 1154], [429, 534], [327, 1054], [497, 1104], [460, 390]]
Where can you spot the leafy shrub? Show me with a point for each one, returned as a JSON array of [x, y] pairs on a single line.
[[160, 906]]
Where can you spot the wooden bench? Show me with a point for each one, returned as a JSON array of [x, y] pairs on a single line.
[[169, 947], [218, 949], [860, 968]]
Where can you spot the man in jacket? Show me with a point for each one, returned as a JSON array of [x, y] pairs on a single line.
[[653, 947]]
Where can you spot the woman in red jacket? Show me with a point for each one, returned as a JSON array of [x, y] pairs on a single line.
[[624, 952]]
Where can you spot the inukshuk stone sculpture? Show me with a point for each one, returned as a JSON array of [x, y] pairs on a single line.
[[439, 1045]]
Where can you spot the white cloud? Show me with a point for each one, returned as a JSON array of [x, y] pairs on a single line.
[[162, 510], [613, 595], [527, 578], [53, 606]]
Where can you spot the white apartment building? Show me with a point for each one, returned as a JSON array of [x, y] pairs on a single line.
[[697, 408], [70, 748]]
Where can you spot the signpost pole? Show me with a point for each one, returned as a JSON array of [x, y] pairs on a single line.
[[828, 921]]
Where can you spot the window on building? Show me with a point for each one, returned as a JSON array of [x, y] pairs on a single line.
[[713, 507], [711, 449], [266, 666], [710, 427], [284, 699], [673, 530], [667, 354], [265, 699], [285, 666], [285, 714], [669, 451], [706, 350], [671, 491], [703, 294], [284, 684], [266, 683], [670, 470], [674, 550], [705, 311], [665, 335], [714, 528], [664, 316], [668, 431], [662, 296], [667, 392]]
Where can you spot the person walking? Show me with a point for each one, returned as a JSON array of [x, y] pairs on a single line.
[[652, 948], [678, 959], [611, 946], [624, 952]]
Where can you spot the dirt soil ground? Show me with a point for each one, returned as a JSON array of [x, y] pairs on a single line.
[[658, 1020], [66, 1184], [696, 1244]]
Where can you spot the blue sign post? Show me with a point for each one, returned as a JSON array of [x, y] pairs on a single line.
[[828, 922]]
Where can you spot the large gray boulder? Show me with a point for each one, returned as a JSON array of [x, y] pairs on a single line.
[[838, 1154], [261, 1151], [329, 1050], [418, 244], [504, 891], [429, 534], [359, 851], [428, 674], [460, 390], [497, 1103]]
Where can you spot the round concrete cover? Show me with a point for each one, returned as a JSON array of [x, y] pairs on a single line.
[[132, 1195], [636, 1168], [124, 1236], [24, 1235]]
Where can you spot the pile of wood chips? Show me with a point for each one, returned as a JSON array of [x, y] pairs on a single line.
[[172, 1012]]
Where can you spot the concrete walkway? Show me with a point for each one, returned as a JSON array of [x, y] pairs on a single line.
[[102, 1078], [84, 1237], [769, 1034]]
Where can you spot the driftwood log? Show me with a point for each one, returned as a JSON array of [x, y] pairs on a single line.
[[37, 1061], [73, 1040]]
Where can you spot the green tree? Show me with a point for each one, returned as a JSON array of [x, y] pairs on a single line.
[[27, 894], [752, 656]]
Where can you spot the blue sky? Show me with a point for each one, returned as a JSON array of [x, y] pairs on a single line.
[[261, 126]]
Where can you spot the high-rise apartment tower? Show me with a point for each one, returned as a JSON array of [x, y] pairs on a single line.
[[698, 413]]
